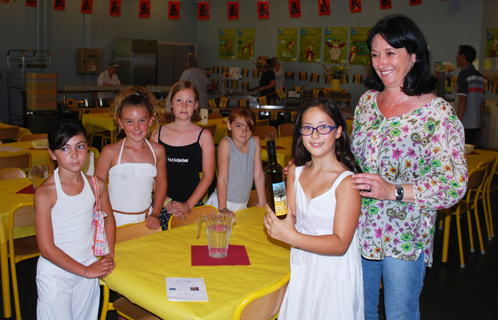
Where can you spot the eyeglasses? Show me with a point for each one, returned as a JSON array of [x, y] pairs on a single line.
[[323, 129]]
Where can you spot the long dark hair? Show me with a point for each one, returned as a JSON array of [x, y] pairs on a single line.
[[60, 132], [342, 145], [401, 32]]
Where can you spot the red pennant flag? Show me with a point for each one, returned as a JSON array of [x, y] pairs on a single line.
[[86, 6], [386, 4], [115, 8], [60, 5], [324, 7], [144, 9], [202, 10], [233, 10], [415, 2], [30, 3], [263, 10], [174, 10], [295, 8], [354, 6]]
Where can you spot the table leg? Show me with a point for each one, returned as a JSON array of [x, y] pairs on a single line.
[[4, 264]]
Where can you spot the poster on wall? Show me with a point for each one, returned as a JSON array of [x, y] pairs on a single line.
[[358, 49], [86, 6], [354, 6], [386, 4], [286, 44], [59, 5], [324, 7], [245, 44], [233, 10], [203, 10], [263, 10], [227, 41], [491, 43], [174, 10], [144, 9], [335, 40], [115, 8], [310, 44], [295, 8]]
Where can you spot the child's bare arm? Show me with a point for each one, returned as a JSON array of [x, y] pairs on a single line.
[[110, 222], [259, 176], [222, 180], [105, 162], [161, 186]]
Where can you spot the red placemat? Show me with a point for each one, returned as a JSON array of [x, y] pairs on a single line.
[[237, 256], [37, 148], [28, 190], [276, 147]]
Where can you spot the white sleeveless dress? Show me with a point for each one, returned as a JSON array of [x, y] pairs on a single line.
[[322, 287], [130, 188]]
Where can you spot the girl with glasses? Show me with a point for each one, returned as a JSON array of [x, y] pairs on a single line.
[[326, 276]]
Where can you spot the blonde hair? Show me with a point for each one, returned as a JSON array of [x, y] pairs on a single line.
[[135, 96], [177, 87]]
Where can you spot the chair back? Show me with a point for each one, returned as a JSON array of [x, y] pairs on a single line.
[[476, 176], [286, 130], [262, 123], [11, 173], [264, 303], [131, 231], [214, 116], [31, 137], [211, 128], [20, 160], [197, 212], [261, 132], [253, 198], [9, 133]]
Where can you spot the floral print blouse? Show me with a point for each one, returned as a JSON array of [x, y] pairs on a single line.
[[423, 148]]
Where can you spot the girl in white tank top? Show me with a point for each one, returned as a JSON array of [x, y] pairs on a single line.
[[134, 165], [67, 272]]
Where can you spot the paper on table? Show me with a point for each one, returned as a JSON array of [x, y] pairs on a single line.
[[10, 149], [186, 289]]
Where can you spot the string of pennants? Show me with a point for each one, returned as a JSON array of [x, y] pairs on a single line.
[[203, 7]]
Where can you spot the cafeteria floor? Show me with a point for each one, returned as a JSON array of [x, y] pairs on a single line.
[[449, 292]]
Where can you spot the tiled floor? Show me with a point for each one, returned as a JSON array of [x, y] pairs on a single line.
[[449, 291]]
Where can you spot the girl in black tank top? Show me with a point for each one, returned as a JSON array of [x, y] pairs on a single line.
[[184, 162]]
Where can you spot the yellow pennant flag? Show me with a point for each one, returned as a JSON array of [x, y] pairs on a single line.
[[242, 103], [235, 84], [281, 93], [315, 93], [298, 89], [262, 101], [212, 103], [223, 102]]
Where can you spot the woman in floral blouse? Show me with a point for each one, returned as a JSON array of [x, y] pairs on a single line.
[[409, 144]]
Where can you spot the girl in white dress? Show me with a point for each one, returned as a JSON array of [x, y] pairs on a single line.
[[134, 164], [326, 274], [67, 272]]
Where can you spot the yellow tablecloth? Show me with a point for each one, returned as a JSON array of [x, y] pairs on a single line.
[[477, 156], [221, 128], [143, 264], [38, 156], [284, 154], [22, 131], [95, 122]]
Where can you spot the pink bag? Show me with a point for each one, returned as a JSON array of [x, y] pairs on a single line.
[[100, 243]]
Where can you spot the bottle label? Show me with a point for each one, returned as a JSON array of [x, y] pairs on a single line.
[[280, 198]]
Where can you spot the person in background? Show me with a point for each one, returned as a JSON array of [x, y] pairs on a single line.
[[198, 77], [410, 147], [267, 81], [470, 91], [108, 78], [279, 73], [239, 164]]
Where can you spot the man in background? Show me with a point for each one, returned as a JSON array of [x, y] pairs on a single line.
[[109, 78], [470, 90], [198, 77]]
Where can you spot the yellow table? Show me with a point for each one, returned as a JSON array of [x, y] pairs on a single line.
[[478, 155], [284, 154], [8, 189], [95, 122], [38, 156], [22, 131], [143, 264], [221, 128]]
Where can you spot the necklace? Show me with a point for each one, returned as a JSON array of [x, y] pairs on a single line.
[[388, 103]]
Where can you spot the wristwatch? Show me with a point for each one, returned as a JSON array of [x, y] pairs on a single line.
[[399, 193]]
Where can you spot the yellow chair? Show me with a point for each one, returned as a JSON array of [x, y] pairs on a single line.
[[286, 130], [264, 303], [261, 132], [486, 199], [21, 247], [214, 116], [9, 133], [126, 308], [262, 123], [19, 160], [175, 222], [31, 137], [106, 136], [466, 205], [11, 173], [123, 233], [211, 128]]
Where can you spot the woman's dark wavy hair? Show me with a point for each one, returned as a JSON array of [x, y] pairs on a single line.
[[401, 32], [60, 132], [342, 145]]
